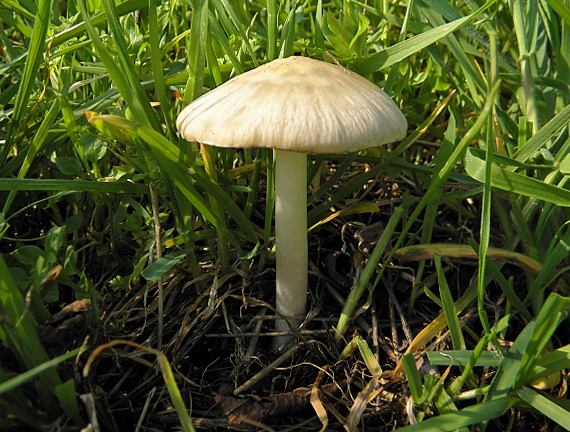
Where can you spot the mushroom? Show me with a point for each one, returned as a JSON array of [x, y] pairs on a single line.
[[295, 105]]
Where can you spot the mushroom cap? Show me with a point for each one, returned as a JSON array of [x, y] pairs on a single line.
[[296, 104]]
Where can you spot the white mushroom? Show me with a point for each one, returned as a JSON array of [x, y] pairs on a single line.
[[295, 105]]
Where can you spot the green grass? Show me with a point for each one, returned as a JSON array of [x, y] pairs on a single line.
[[172, 243]]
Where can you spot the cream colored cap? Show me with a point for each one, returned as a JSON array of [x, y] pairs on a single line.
[[296, 104]]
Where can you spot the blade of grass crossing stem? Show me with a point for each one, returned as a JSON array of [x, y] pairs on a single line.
[[196, 50], [156, 61], [35, 56], [480, 348], [118, 75], [545, 406], [449, 307], [370, 268]]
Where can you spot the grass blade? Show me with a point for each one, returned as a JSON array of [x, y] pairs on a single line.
[[516, 183], [122, 74], [449, 307], [26, 86], [402, 50], [546, 406], [466, 417]]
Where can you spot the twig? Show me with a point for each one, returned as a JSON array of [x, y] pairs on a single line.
[[158, 245]]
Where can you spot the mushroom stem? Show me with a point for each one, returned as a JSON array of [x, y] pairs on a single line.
[[290, 240]]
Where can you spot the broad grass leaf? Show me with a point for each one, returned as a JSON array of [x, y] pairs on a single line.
[[162, 265], [516, 183], [402, 50], [462, 357], [467, 416], [550, 407], [550, 363]]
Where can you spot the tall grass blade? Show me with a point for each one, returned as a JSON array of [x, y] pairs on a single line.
[[157, 68], [35, 55], [122, 73], [402, 50], [197, 50]]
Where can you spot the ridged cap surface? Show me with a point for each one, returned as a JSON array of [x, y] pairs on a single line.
[[296, 104]]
